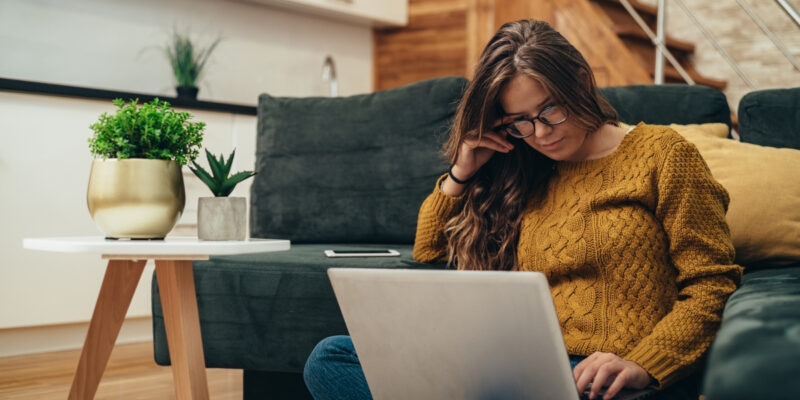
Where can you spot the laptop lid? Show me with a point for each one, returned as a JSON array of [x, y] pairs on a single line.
[[432, 334]]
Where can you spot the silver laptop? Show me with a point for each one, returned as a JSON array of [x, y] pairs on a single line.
[[428, 334]]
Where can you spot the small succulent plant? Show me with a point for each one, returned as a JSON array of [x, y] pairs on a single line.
[[219, 180]]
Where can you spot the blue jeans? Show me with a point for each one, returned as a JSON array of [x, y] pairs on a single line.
[[333, 372]]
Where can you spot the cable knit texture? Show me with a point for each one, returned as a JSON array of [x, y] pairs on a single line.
[[634, 245]]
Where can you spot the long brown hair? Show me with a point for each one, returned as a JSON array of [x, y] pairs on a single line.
[[485, 234]]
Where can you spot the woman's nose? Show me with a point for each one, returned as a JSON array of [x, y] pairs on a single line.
[[542, 129]]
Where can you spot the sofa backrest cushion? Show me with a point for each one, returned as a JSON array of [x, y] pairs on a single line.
[[350, 169], [771, 118], [668, 104]]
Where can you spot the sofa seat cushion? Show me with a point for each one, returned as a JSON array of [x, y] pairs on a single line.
[[756, 352], [267, 311]]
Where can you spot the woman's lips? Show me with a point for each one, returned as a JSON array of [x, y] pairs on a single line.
[[552, 145]]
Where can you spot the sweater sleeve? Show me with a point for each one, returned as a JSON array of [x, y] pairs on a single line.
[[691, 206], [430, 244]]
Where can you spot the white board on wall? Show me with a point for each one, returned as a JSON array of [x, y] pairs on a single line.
[[117, 45]]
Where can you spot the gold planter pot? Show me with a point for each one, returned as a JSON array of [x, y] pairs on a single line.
[[135, 198]]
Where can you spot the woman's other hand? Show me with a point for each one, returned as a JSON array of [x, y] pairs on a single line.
[[603, 369], [473, 154]]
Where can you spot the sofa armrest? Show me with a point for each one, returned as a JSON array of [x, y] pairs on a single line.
[[757, 349]]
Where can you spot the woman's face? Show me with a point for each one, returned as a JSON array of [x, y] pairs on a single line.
[[523, 96]]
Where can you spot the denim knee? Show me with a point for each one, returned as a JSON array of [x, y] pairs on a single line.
[[332, 348], [333, 371], [320, 369]]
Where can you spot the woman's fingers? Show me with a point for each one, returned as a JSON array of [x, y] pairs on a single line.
[[490, 144], [587, 370], [587, 375], [617, 385], [604, 372], [578, 370], [492, 141], [496, 124], [474, 151], [500, 138], [606, 369]]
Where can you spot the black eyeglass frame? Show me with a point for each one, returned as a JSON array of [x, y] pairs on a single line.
[[513, 131]]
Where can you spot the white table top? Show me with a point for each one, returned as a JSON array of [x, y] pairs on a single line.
[[169, 246]]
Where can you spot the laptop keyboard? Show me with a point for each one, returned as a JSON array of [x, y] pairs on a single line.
[[585, 395]]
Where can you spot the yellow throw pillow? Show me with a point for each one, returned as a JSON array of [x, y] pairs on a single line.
[[764, 186], [719, 129], [716, 129]]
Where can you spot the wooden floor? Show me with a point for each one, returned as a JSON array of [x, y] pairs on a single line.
[[131, 374]]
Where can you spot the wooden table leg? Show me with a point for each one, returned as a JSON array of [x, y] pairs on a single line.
[[182, 322], [119, 284]]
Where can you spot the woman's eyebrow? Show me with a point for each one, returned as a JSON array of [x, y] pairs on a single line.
[[538, 107]]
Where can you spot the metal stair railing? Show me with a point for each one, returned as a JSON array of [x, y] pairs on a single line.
[[662, 51], [716, 44], [777, 42], [661, 27], [658, 42], [790, 11]]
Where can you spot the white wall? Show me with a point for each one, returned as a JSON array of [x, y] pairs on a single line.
[[44, 156], [45, 162], [118, 45]]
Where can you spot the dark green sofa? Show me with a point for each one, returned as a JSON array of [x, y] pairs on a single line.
[[352, 172], [756, 353]]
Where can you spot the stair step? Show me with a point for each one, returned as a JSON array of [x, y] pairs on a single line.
[[640, 45], [637, 33], [672, 75], [645, 10]]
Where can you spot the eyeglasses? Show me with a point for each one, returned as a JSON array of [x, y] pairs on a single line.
[[524, 127]]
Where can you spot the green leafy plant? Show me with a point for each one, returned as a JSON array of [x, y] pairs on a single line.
[[187, 61], [152, 130], [219, 180]]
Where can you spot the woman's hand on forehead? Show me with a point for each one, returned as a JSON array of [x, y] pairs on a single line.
[[500, 122]]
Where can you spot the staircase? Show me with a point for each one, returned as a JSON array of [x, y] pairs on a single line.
[[643, 49], [446, 37]]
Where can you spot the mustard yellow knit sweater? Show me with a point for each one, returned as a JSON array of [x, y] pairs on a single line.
[[634, 245]]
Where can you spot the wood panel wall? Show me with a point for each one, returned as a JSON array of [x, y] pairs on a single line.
[[446, 37], [432, 44]]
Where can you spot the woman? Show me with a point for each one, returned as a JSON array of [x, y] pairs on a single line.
[[627, 225]]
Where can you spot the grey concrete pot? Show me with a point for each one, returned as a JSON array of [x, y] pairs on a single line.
[[221, 218]]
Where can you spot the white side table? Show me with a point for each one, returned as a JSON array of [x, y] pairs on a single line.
[[173, 258]]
